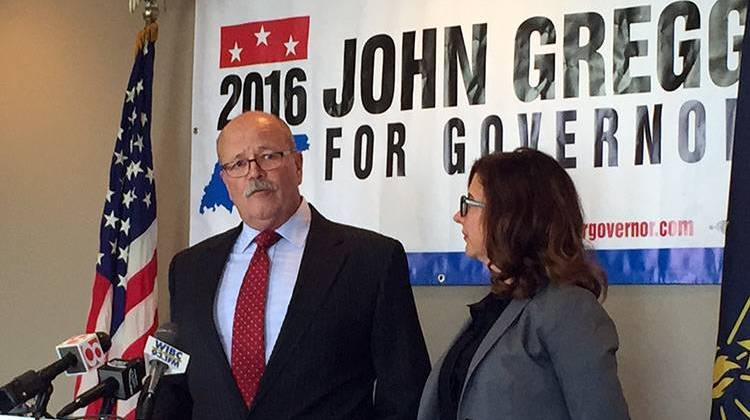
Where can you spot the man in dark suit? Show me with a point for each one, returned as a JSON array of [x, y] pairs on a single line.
[[290, 315]]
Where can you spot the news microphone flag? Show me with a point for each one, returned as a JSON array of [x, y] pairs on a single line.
[[267, 41], [88, 351], [174, 359], [124, 296], [731, 388]]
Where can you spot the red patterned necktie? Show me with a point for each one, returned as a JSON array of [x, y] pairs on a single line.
[[248, 330]]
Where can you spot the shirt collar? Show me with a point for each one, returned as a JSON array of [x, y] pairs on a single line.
[[490, 304], [294, 230]]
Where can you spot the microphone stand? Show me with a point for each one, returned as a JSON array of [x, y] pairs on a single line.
[[108, 404], [22, 410], [40, 404]]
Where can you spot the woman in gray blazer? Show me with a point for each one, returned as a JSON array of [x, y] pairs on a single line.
[[539, 345]]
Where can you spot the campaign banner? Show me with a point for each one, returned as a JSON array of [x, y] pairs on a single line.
[[390, 103]]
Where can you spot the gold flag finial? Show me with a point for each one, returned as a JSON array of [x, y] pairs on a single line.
[[150, 9]]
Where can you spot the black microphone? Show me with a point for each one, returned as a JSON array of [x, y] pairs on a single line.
[[102, 389], [167, 334], [119, 379], [163, 359], [77, 355]]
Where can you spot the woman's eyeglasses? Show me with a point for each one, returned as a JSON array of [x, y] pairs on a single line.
[[467, 202]]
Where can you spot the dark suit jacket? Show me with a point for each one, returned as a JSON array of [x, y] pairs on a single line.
[[351, 322], [551, 357]]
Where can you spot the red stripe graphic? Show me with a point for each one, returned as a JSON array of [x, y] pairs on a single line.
[[267, 41]]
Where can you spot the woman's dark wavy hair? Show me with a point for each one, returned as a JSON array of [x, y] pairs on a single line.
[[533, 225]]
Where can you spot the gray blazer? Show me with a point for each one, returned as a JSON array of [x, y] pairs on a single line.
[[551, 357]]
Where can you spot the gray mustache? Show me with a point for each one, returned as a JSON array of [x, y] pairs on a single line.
[[256, 185]]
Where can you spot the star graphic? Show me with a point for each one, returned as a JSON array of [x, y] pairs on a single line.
[[113, 246], [235, 53], [123, 254], [139, 86], [139, 143], [150, 175], [119, 133], [290, 46], [120, 158], [147, 200], [99, 258], [262, 36], [123, 281], [133, 169], [132, 117], [144, 119], [128, 198], [109, 195], [130, 95], [111, 220], [125, 227]]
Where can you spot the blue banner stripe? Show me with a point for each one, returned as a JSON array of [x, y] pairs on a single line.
[[623, 266]]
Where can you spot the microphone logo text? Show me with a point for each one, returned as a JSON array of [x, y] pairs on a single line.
[[167, 354]]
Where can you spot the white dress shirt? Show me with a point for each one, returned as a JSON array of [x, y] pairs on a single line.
[[285, 257]]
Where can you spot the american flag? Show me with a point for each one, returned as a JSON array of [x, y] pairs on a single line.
[[124, 296]]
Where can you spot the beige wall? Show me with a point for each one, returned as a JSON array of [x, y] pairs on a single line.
[[667, 342], [64, 69], [62, 80]]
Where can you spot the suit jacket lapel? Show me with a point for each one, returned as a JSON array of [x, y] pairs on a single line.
[[511, 312], [209, 272], [213, 268], [322, 259]]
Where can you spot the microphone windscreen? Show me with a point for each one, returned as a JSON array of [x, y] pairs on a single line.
[[104, 340], [167, 333], [128, 374]]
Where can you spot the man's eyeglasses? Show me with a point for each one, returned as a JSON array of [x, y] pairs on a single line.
[[467, 202], [266, 161]]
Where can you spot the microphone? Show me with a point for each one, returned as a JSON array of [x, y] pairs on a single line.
[[88, 349], [163, 359], [77, 355], [118, 378]]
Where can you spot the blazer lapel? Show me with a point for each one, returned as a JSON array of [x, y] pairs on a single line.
[[511, 312], [429, 404], [322, 259], [209, 272]]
